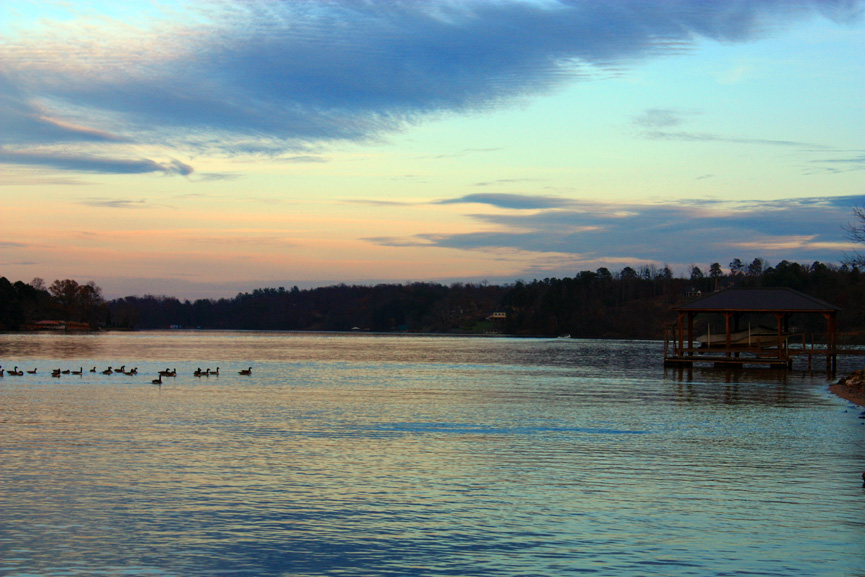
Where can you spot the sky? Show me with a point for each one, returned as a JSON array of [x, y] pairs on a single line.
[[200, 149]]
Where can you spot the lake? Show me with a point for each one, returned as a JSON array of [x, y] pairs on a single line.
[[363, 454]]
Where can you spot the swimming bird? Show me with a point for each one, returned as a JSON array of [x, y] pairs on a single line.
[[93, 370], [108, 371], [66, 371], [122, 369], [55, 373], [15, 372], [246, 371], [216, 372], [80, 371], [157, 381], [198, 372], [33, 372]]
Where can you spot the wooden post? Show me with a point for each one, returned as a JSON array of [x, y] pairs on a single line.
[[780, 318], [729, 342], [690, 334], [831, 340]]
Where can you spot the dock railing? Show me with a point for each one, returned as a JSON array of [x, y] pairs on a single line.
[[806, 345]]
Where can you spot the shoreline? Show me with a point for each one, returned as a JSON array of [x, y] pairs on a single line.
[[856, 396]]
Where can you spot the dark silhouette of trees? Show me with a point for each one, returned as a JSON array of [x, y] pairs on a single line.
[[632, 303], [22, 304], [80, 303]]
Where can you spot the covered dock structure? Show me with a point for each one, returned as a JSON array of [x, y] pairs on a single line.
[[742, 336]]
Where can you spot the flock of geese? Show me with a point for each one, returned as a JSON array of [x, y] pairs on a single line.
[[111, 370]]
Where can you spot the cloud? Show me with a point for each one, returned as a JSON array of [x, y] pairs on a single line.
[[26, 122], [513, 201], [659, 118], [659, 124], [690, 230], [461, 153], [232, 75], [215, 176], [115, 203], [839, 164], [95, 164]]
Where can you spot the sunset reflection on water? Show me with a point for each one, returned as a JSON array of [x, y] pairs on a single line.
[[380, 455]]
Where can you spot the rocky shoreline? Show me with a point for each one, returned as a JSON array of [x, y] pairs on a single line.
[[851, 387]]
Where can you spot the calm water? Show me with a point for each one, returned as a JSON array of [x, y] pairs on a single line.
[[381, 455]]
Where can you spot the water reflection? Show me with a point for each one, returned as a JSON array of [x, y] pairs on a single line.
[[382, 455], [50, 346], [760, 386]]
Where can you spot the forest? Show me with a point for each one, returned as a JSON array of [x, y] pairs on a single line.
[[632, 303]]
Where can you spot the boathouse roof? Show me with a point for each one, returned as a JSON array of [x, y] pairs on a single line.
[[758, 300]]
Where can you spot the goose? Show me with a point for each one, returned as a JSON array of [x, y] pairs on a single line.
[[66, 371], [246, 371], [2, 370], [131, 372], [107, 371], [93, 370], [15, 372], [80, 371], [157, 381], [198, 372], [55, 373], [122, 369], [33, 372]]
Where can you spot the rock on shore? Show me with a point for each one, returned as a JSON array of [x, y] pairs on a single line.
[[854, 381], [851, 387]]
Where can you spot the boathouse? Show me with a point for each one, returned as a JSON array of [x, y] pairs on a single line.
[[751, 327]]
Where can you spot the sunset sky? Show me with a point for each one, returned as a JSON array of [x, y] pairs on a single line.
[[199, 149]]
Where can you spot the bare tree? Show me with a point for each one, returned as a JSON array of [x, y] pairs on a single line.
[[856, 232]]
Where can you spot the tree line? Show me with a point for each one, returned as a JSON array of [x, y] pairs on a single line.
[[23, 304], [631, 303]]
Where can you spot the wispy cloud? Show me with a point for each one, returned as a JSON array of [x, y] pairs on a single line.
[[215, 176], [236, 76], [464, 152], [366, 202], [115, 203], [94, 164], [513, 201], [839, 164], [669, 124]]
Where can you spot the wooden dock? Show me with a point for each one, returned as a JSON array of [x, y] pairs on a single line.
[[766, 340], [793, 352]]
